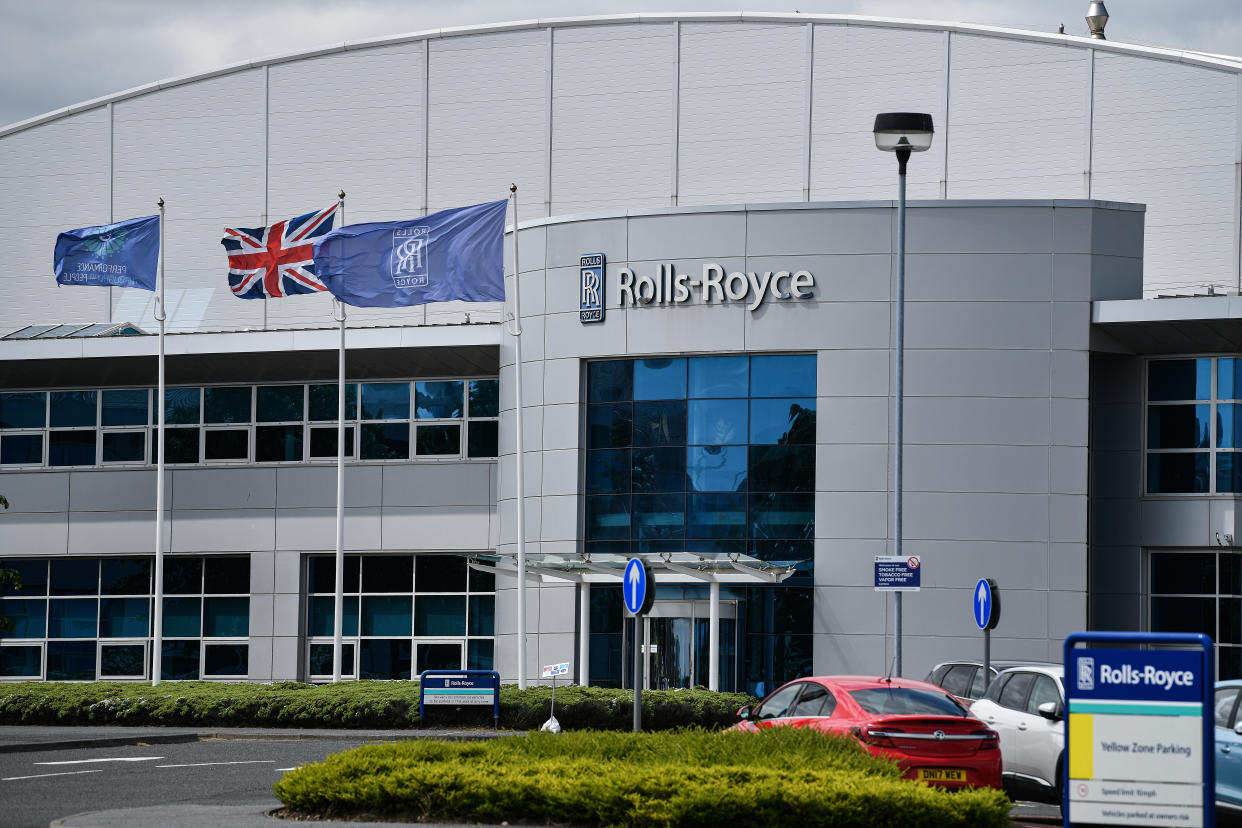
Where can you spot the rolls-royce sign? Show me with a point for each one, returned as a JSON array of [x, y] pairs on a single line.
[[591, 288], [712, 285]]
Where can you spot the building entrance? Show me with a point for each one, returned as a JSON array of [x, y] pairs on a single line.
[[677, 653]]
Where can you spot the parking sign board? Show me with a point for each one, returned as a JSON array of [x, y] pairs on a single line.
[[1138, 730], [898, 573]]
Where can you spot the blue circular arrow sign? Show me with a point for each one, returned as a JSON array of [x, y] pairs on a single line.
[[985, 603], [636, 587]]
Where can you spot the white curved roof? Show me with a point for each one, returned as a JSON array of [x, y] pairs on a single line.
[[625, 111]]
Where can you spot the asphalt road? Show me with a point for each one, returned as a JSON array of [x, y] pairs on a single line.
[[37, 787]]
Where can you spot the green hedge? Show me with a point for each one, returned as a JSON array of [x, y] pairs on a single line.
[[686, 778], [362, 704]]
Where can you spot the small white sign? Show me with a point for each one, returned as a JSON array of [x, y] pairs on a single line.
[[550, 670]]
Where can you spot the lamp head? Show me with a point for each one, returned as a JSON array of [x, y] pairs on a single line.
[[909, 131]]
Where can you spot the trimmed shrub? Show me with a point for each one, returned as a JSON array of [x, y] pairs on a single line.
[[781, 776], [362, 704]]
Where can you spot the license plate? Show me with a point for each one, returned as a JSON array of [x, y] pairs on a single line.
[[942, 775]]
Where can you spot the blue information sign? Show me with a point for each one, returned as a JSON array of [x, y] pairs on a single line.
[[898, 573], [985, 604], [636, 587], [1138, 729], [459, 687]]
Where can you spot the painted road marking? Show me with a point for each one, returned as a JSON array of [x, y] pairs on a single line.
[[282, 770], [42, 775], [205, 764], [90, 761]]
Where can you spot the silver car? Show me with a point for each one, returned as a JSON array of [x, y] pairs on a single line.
[[1026, 706]]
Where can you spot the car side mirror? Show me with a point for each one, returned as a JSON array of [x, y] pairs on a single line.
[[1050, 710], [1238, 728], [743, 713]]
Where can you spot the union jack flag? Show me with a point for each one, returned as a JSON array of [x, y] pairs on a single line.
[[276, 261]]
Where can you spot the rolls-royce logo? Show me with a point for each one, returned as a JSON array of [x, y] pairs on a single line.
[[1086, 673], [939, 735], [409, 259], [591, 288]]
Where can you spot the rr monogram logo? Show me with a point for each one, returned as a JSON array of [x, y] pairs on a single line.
[[409, 257], [591, 288]]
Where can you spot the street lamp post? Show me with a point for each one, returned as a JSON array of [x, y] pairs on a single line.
[[901, 133]]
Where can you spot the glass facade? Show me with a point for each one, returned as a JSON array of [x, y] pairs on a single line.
[[402, 614], [711, 456], [81, 619], [209, 425], [1194, 425], [1200, 592]]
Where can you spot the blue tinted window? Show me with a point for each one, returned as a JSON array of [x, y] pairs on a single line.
[[782, 376], [660, 423], [180, 444], [716, 468], [21, 449], [440, 615], [71, 661], [1228, 379], [611, 381], [182, 406], [659, 469], [483, 439], [610, 426], [1179, 473], [17, 662], [1228, 473], [782, 515], [439, 573], [385, 441], [279, 403], [323, 401], [608, 471], [484, 398], [727, 376], [782, 421], [181, 616], [75, 576], [782, 468], [25, 409], [1178, 426], [386, 615], [72, 617], [479, 655], [385, 400], [717, 422], [29, 617], [183, 576], [608, 517], [438, 440], [226, 660], [1179, 379], [33, 574], [716, 516], [226, 405], [124, 618], [278, 444], [482, 615], [226, 444], [73, 408], [321, 659], [226, 617], [439, 400], [71, 448], [179, 661], [231, 573], [384, 659], [322, 574], [323, 617], [124, 446], [1228, 424], [125, 407], [388, 573], [660, 379], [659, 516], [125, 576]]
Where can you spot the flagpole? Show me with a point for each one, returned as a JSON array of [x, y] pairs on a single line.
[[521, 477], [338, 605], [157, 646]]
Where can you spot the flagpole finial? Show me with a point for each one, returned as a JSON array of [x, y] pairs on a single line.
[[160, 203], [341, 195], [513, 188]]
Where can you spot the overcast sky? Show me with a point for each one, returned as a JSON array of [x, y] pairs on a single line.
[[54, 53]]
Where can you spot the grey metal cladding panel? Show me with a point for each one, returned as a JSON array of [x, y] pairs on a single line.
[[982, 325], [29, 492], [979, 230], [777, 326], [315, 529], [755, 73], [687, 236], [1117, 379], [488, 93], [350, 120], [796, 232], [532, 249], [848, 610], [113, 532], [864, 652], [1067, 567], [976, 516], [115, 489], [434, 528], [851, 468], [978, 373], [862, 277], [437, 484], [1115, 522], [34, 533], [1117, 233], [612, 90], [1175, 522], [1116, 473], [562, 288], [977, 468], [222, 530], [967, 277], [859, 71], [700, 328], [568, 242], [245, 487], [978, 420], [851, 515], [1116, 569], [566, 336], [853, 373], [957, 562], [852, 419], [301, 487], [1001, 85], [1067, 469]]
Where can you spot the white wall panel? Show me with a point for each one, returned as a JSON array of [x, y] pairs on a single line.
[[1003, 93], [861, 71], [612, 92], [488, 120], [1166, 135], [200, 148], [55, 177], [741, 120]]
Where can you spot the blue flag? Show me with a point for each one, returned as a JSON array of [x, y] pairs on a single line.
[[125, 254], [451, 255]]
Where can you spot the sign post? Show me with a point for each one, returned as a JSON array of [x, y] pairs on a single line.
[[985, 606], [898, 573], [638, 592], [552, 671], [1138, 730]]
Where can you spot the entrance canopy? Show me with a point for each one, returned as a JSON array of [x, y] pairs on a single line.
[[675, 568]]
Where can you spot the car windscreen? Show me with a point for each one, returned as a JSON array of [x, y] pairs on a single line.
[[906, 701]]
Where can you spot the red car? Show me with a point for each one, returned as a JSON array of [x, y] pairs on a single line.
[[929, 733]]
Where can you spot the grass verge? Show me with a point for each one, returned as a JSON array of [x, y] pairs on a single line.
[[684, 778]]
